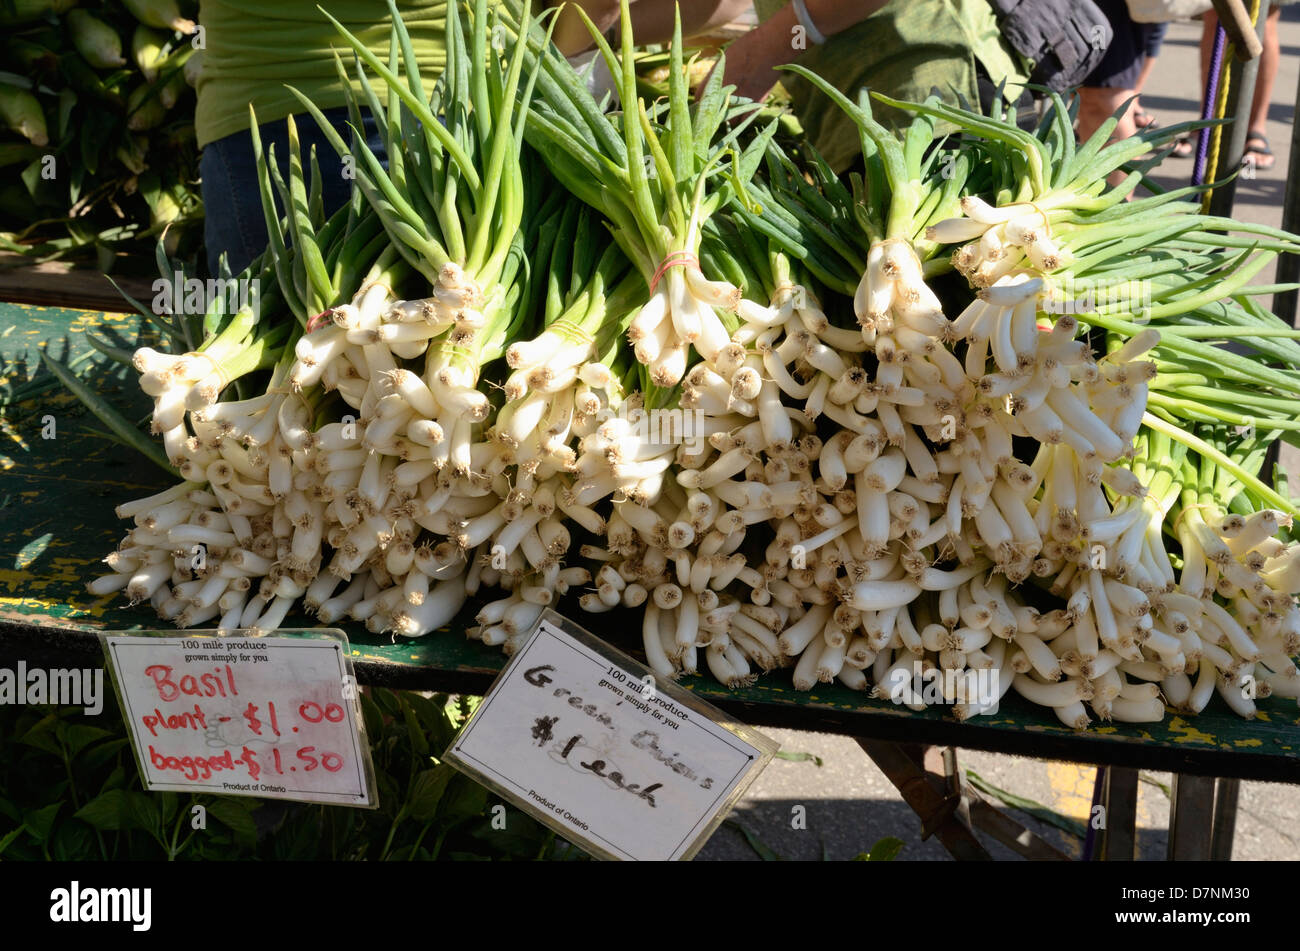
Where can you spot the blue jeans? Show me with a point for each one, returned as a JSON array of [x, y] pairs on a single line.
[[234, 223]]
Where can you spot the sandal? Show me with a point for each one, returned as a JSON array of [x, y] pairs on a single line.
[[1259, 155], [1183, 147], [1143, 119]]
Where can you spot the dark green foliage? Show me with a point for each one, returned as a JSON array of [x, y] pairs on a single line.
[[69, 791]]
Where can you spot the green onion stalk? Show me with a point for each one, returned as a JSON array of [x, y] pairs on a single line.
[[239, 335], [657, 172], [833, 232], [228, 424], [455, 203], [1233, 605], [369, 427], [562, 446], [1155, 276], [451, 202], [588, 291], [1032, 378], [558, 388], [905, 185]]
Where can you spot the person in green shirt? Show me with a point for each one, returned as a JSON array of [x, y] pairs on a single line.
[[253, 50], [903, 48]]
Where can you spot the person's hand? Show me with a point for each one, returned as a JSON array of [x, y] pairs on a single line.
[[751, 61]]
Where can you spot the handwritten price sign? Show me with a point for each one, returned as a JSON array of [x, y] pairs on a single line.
[[273, 717], [582, 737]]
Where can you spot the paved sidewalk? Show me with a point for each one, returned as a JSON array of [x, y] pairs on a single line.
[[848, 804]]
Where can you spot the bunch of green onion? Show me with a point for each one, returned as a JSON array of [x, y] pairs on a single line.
[[866, 430]]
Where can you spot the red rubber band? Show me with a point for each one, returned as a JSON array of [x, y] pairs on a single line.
[[676, 259], [325, 314]]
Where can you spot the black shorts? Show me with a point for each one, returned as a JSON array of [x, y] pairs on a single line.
[[1120, 67]]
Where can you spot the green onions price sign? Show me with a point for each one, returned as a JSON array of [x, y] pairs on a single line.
[[586, 740]]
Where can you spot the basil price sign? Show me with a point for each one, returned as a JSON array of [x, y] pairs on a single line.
[[244, 714]]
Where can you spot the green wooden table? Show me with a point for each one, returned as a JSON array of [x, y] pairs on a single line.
[[57, 497]]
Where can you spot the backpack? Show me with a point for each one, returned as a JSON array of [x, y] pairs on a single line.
[[1065, 39]]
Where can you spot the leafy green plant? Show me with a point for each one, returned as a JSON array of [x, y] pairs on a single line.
[[886, 850], [69, 790], [108, 154], [764, 851], [1028, 806]]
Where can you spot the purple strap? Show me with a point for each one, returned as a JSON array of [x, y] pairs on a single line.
[[1207, 110]]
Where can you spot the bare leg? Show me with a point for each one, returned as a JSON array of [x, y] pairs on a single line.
[[571, 34], [1141, 119], [652, 22], [1209, 22], [1267, 73], [1096, 105]]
